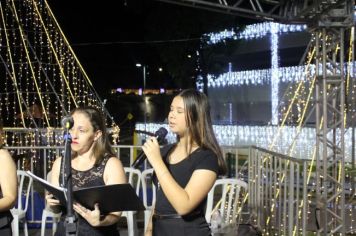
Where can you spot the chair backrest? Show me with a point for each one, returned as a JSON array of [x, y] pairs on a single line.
[[148, 187], [226, 193], [134, 178], [48, 178], [24, 187]]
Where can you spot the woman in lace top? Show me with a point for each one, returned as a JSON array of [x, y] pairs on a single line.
[[8, 188], [93, 164]]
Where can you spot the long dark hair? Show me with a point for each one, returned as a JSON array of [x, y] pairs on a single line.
[[199, 124], [102, 145]]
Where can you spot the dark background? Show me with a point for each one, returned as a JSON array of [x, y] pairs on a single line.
[[110, 37]]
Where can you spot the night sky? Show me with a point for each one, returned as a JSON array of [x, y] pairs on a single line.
[[110, 37], [102, 35]]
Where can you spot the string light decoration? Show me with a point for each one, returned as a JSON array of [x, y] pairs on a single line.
[[42, 77], [273, 76], [275, 73], [261, 136], [252, 32], [256, 77], [294, 106]]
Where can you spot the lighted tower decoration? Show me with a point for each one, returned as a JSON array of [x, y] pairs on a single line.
[[41, 77]]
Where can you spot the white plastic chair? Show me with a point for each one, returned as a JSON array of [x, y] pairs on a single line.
[[19, 212], [146, 178], [47, 212], [134, 178], [226, 193]]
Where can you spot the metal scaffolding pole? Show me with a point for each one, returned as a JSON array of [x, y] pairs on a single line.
[[330, 130]]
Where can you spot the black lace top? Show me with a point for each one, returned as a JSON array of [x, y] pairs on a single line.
[[89, 178]]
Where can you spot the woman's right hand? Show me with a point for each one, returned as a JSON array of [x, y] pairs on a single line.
[[148, 233], [51, 201]]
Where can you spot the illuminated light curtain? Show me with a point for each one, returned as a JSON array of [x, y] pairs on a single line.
[[275, 73], [252, 32], [261, 136]]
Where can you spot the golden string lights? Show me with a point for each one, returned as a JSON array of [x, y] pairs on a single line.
[[40, 67], [42, 79]]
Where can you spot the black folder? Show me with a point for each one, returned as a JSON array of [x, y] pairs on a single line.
[[116, 197]]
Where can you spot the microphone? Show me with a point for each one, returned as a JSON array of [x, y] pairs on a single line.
[[67, 122], [160, 134], [144, 132]]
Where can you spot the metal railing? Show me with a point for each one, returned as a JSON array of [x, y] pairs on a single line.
[[278, 192]]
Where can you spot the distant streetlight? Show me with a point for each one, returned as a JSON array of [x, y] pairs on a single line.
[[139, 65], [160, 69]]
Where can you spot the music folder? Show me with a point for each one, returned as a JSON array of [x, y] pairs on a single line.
[[116, 197]]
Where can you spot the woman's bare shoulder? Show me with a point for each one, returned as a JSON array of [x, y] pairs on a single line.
[[57, 163], [6, 161], [4, 154], [114, 161]]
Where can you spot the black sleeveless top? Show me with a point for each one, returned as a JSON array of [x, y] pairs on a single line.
[[82, 179]]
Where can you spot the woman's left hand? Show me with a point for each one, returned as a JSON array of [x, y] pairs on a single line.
[[93, 217], [151, 149]]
